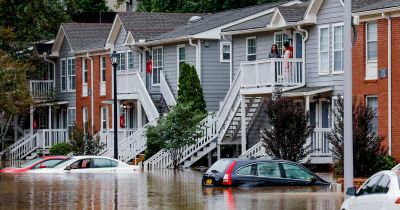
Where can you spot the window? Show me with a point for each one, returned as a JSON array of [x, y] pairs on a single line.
[[383, 185], [369, 185], [181, 56], [268, 169], [338, 47], [295, 172], [85, 114], [84, 71], [81, 164], [71, 74], [47, 164], [157, 65], [71, 117], [104, 117], [280, 39], [103, 163], [63, 75], [225, 52], [121, 59], [219, 166], [372, 51], [372, 102], [244, 171], [130, 60], [103, 67], [251, 48], [323, 48]]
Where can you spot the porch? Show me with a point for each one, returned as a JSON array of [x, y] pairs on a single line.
[[42, 90]]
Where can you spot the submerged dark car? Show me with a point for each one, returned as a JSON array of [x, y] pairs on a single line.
[[259, 172]]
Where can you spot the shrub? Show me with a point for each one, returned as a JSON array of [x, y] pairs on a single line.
[[384, 162], [61, 149]]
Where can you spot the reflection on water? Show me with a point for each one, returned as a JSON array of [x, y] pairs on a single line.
[[164, 189]]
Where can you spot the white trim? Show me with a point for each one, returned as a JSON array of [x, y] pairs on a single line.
[[221, 53], [247, 47], [68, 111], [178, 61], [319, 49], [101, 75], [162, 66], [127, 60], [371, 65], [61, 76], [84, 84], [113, 34], [333, 48], [102, 118], [69, 89], [85, 115]]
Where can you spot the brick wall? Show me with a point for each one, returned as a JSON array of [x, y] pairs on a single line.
[[396, 87], [85, 101]]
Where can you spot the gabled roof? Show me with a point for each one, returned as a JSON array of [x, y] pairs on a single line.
[[82, 36], [216, 20], [368, 5], [293, 13], [259, 22]]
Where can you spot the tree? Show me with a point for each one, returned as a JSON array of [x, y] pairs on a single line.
[[84, 143], [92, 6], [289, 129], [190, 90], [175, 131], [368, 153]]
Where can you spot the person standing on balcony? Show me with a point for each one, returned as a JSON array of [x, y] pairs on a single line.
[[287, 65], [274, 52]]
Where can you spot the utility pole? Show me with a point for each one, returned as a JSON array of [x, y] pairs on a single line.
[[114, 57]]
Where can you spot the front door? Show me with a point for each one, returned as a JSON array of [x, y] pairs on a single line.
[[298, 45]]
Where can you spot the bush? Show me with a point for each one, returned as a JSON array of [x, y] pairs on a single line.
[[61, 149], [384, 162]]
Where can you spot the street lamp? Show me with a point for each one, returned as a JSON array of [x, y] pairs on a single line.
[[114, 59]]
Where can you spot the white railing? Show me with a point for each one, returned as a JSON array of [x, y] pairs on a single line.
[[107, 138], [24, 147], [48, 138], [254, 151], [133, 145], [273, 72], [209, 132], [145, 98], [320, 145], [166, 91], [41, 89], [231, 99]]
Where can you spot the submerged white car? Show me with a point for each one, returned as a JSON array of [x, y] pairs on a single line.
[[89, 164], [380, 192]]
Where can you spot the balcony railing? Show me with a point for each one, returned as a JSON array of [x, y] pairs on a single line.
[[41, 89], [273, 72]]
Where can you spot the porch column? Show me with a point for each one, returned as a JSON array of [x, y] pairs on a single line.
[[243, 122], [50, 123], [31, 120], [139, 113], [307, 103]]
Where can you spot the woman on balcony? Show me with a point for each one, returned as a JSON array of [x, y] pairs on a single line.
[[274, 52], [287, 65]]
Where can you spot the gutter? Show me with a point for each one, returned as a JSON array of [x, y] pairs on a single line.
[[91, 91], [305, 38], [389, 81], [377, 11], [198, 56], [54, 68]]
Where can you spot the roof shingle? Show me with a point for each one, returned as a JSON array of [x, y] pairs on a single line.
[[374, 5]]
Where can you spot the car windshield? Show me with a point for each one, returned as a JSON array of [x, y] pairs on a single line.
[[30, 162], [61, 163], [219, 166]]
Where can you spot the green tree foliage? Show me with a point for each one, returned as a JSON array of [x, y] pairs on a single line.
[[369, 155], [196, 6], [92, 5], [61, 149], [174, 132], [190, 90], [84, 143], [288, 130]]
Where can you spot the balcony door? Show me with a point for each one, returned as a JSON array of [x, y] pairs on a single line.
[[320, 113], [298, 48]]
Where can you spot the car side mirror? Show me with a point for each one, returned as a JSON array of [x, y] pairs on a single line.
[[68, 168], [351, 191], [42, 166]]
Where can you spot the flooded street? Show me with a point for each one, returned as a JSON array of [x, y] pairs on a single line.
[[165, 189]]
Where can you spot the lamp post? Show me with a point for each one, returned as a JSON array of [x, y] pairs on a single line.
[[114, 57]]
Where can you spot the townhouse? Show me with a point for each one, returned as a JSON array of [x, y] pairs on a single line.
[[375, 74]]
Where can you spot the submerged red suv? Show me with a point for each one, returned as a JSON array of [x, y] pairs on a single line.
[[40, 162], [259, 172]]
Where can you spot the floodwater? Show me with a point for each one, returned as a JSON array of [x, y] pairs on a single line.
[[156, 190]]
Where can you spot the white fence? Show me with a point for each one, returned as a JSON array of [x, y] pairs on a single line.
[[41, 89]]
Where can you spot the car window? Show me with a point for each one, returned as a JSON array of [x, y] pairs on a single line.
[[293, 171], [369, 185], [268, 169], [30, 162], [102, 163], [114, 163], [81, 164], [47, 163], [383, 185], [219, 166], [246, 170]]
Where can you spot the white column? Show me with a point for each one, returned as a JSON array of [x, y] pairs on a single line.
[[50, 126], [31, 110], [243, 122], [307, 103], [139, 113]]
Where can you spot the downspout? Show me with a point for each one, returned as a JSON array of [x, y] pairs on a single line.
[[197, 56], [305, 38], [54, 68], [389, 82], [91, 91]]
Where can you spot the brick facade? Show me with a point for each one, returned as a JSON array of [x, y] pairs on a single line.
[[379, 87], [85, 101]]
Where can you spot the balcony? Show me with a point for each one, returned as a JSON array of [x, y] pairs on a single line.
[[271, 73], [42, 90]]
